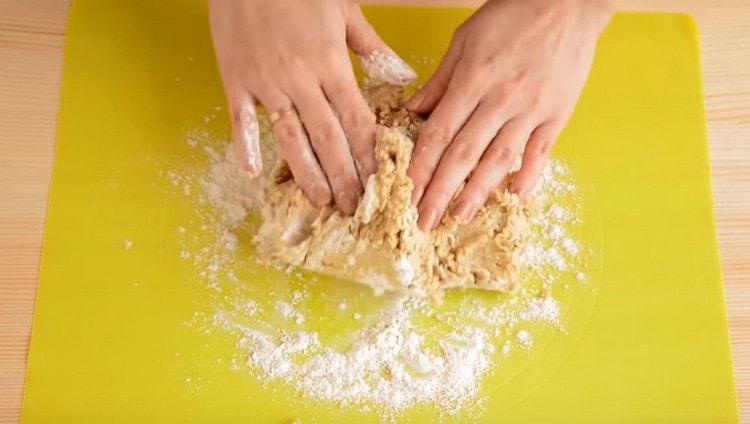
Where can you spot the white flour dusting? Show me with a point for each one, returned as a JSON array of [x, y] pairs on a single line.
[[287, 311], [390, 360], [524, 339], [387, 67]]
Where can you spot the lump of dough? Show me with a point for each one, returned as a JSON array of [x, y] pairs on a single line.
[[381, 245]]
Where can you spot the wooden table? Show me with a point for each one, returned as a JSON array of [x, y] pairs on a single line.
[[31, 41]]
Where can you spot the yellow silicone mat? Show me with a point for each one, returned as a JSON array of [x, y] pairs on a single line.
[[645, 339]]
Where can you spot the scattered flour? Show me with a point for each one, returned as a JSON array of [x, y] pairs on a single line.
[[524, 339], [287, 311]]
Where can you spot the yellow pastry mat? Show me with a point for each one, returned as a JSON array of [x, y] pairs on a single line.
[[646, 338]]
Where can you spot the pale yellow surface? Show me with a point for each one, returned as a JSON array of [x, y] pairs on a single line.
[[31, 36]]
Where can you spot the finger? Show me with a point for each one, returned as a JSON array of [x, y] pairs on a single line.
[[356, 118], [535, 157], [295, 149], [378, 60], [329, 143], [438, 131], [427, 97], [495, 164], [458, 161], [245, 131]]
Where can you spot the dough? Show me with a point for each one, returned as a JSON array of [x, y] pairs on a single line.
[[381, 245]]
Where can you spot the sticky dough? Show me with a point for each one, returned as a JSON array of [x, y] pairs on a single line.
[[381, 245]]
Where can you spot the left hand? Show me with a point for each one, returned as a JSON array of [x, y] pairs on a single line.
[[511, 78]]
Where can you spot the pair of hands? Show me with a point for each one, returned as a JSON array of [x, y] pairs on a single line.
[[507, 84]]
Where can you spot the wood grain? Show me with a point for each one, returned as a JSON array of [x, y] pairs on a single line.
[[31, 41]]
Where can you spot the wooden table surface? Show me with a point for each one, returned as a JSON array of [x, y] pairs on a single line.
[[31, 41]]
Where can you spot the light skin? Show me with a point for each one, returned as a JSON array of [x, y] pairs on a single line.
[[507, 86]]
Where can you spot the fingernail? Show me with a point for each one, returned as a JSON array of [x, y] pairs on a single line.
[[416, 101], [347, 201], [416, 195], [428, 220], [463, 210]]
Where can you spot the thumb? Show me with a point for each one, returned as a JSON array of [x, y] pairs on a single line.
[[378, 60]]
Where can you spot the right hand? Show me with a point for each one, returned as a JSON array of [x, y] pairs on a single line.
[[291, 55]]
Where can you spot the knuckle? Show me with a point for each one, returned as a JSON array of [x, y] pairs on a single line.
[[243, 116], [502, 98], [323, 132], [509, 88], [472, 195], [503, 156], [286, 130], [501, 102], [464, 150], [357, 121], [542, 146], [435, 134], [484, 65]]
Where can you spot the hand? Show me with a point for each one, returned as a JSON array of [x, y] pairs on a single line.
[[511, 78], [291, 56]]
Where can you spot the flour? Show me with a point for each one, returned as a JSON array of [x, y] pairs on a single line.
[[387, 67], [287, 311], [524, 339], [541, 309], [387, 361]]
